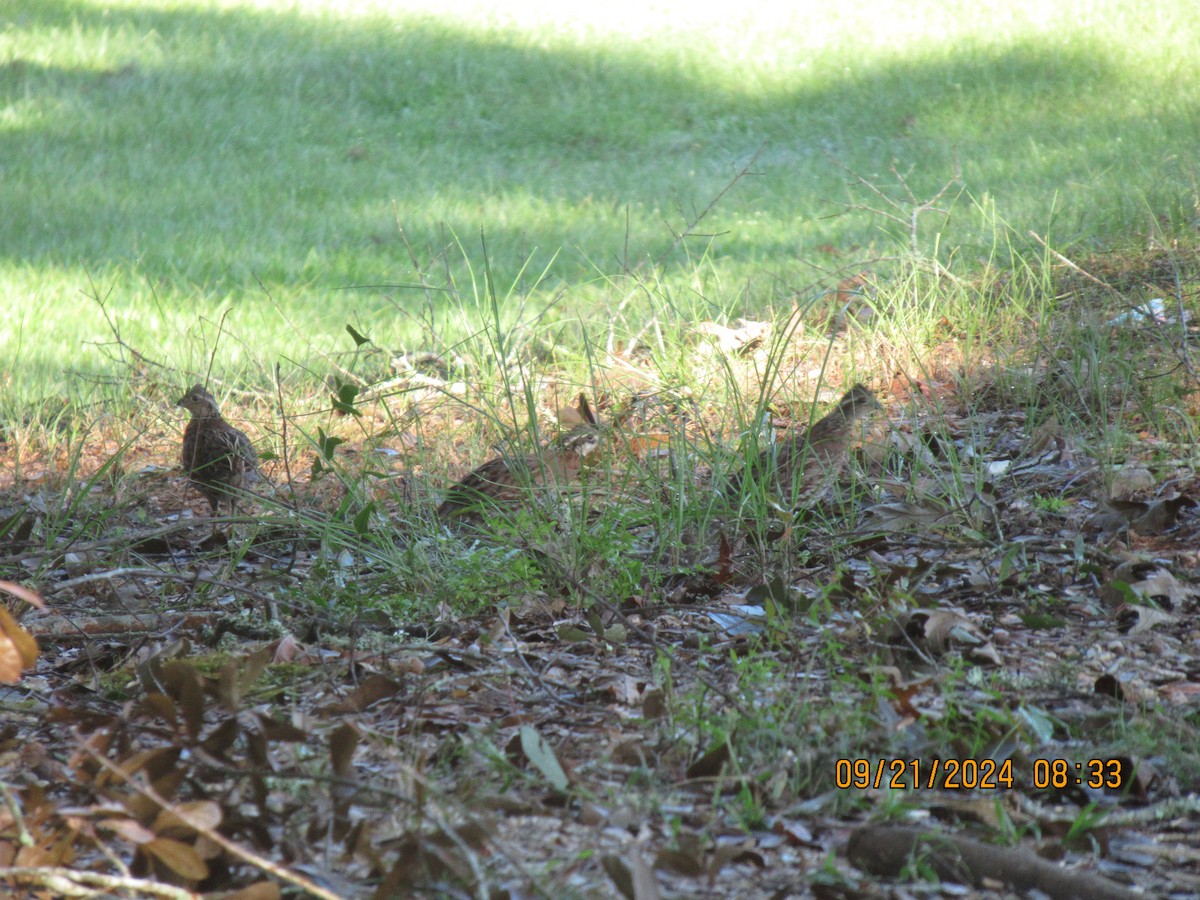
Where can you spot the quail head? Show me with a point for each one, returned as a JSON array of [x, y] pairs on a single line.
[[506, 480], [217, 458], [806, 461]]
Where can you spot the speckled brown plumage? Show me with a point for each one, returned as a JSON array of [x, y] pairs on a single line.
[[217, 458], [504, 480], [809, 459]]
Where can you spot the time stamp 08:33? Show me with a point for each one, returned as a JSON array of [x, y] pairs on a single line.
[[978, 774]]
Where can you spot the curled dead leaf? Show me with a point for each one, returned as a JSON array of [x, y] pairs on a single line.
[[940, 631], [1137, 581], [1136, 619], [18, 648], [23, 593], [1146, 518], [736, 341]]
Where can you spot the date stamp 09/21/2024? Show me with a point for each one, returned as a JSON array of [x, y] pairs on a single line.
[[979, 774]]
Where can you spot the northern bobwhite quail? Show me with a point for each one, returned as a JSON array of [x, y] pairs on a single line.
[[217, 458], [808, 460], [505, 480]]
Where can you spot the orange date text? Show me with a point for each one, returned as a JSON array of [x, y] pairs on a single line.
[[944, 774]]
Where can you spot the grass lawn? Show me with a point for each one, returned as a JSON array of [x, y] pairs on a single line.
[[403, 239], [302, 168]]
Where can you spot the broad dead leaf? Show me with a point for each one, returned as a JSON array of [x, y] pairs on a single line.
[[620, 873], [1146, 518], [939, 631], [374, 689], [645, 885], [710, 764], [180, 858], [18, 649], [130, 830], [1137, 619], [891, 517], [342, 743], [541, 757], [185, 819], [1137, 581], [23, 593], [1129, 480]]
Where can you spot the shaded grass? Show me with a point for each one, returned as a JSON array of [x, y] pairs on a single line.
[[196, 157]]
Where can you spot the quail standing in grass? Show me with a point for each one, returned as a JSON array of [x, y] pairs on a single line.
[[807, 461], [217, 457], [505, 480]]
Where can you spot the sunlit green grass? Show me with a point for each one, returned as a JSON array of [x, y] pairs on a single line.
[[299, 168]]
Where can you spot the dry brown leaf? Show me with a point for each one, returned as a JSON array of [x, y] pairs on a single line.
[[1146, 518], [711, 762], [542, 757], [654, 703], [180, 858], [1145, 581], [221, 738], [939, 631], [278, 730], [23, 593], [645, 885], [186, 819], [795, 833], [890, 517], [342, 744], [142, 807], [182, 682], [128, 829], [620, 873], [162, 706], [38, 857], [1129, 480], [253, 666], [11, 658], [154, 763], [736, 341], [681, 862], [374, 689], [286, 649], [625, 689], [1136, 619], [643, 445], [18, 649]]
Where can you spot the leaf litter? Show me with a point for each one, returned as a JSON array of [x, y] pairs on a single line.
[[185, 723]]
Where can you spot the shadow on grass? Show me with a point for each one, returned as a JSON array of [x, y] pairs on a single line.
[[215, 149]]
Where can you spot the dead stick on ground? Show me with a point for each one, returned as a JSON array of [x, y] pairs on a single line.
[[1074, 268], [73, 883], [886, 850]]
